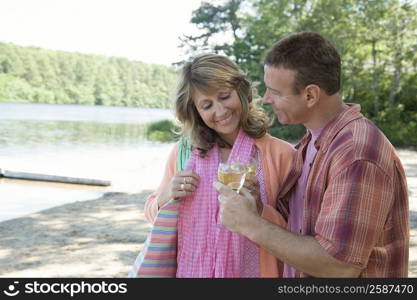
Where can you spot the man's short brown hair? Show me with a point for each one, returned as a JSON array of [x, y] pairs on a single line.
[[314, 58]]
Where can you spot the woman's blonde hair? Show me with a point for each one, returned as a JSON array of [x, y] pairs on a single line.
[[208, 73]]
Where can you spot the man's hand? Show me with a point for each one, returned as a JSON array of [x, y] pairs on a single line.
[[237, 211], [252, 185]]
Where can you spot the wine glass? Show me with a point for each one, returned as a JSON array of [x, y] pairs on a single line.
[[233, 174], [251, 166]]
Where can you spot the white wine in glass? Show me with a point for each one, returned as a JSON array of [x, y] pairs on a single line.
[[232, 175]]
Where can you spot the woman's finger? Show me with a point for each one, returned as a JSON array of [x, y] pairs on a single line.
[[187, 177], [191, 180], [180, 194], [186, 187], [180, 187], [186, 180], [189, 174]]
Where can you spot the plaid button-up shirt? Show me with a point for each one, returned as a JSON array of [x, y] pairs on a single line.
[[356, 199]]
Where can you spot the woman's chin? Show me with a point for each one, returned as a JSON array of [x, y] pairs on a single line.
[[228, 134]]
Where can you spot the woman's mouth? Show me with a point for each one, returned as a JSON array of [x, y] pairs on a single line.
[[225, 121]]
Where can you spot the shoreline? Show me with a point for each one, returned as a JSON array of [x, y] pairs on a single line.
[[93, 238]]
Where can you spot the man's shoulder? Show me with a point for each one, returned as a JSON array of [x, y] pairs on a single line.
[[362, 140], [364, 136]]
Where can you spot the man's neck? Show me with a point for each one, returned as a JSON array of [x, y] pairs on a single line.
[[325, 111]]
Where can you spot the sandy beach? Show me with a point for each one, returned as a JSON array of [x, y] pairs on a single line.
[[101, 237]]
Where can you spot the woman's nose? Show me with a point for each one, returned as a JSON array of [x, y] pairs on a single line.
[[220, 109]]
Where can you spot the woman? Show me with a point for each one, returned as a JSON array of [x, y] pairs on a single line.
[[217, 113]]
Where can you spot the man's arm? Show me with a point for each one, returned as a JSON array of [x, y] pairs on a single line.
[[300, 251], [239, 214]]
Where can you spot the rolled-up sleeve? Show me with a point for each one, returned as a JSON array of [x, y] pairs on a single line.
[[354, 212], [151, 206]]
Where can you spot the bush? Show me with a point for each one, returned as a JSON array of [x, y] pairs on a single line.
[[398, 125], [160, 136], [289, 133], [161, 131]]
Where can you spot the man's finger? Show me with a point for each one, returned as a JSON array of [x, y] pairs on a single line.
[[245, 193], [251, 178], [222, 198], [224, 189]]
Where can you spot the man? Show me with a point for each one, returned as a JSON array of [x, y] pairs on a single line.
[[345, 199]]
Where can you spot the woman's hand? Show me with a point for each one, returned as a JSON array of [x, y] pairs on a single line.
[[182, 184], [252, 185]]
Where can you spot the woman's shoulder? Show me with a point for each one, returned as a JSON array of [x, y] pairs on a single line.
[[173, 153], [174, 148], [273, 144]]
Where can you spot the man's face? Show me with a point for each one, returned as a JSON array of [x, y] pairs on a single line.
[[289, 108]]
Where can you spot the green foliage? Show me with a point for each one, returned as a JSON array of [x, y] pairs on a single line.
[[377, 40], [36, 75], [290, 133], [391, 123], [161, 131]]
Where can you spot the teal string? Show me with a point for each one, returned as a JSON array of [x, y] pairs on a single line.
[[184, 150]]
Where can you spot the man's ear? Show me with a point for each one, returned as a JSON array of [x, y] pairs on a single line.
[[312, 94]]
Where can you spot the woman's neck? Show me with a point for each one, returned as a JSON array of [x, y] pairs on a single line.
[[230, 138], [224, 154]]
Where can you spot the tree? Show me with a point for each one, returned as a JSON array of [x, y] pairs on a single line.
[[39, 75], [376, 39]]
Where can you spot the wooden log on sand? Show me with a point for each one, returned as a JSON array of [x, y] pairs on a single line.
[[52, 178]]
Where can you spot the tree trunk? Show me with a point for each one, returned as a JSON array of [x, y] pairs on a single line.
[[375, 88], [398, 56]]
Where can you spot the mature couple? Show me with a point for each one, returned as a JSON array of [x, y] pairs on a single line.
[[336, 205]]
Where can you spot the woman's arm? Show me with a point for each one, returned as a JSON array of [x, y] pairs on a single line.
[[174, 185], [157, 198]]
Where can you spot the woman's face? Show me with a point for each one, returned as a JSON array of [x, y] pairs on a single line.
[[221, 111]]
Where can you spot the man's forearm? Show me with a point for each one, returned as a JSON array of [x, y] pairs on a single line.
[[302, 252]]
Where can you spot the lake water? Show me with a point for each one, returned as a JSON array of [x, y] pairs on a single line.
[[77, 141]]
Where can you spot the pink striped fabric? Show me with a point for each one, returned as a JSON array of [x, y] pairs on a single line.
[[205, 247]]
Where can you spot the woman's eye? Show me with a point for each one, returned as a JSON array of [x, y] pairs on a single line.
[[224, 97], [205, 107]]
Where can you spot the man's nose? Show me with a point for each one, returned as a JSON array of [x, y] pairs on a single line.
[[266, 99]]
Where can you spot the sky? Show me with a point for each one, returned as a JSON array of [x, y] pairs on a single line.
[[143, 30]]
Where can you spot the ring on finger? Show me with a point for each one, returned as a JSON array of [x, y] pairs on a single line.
[[182, 186]]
